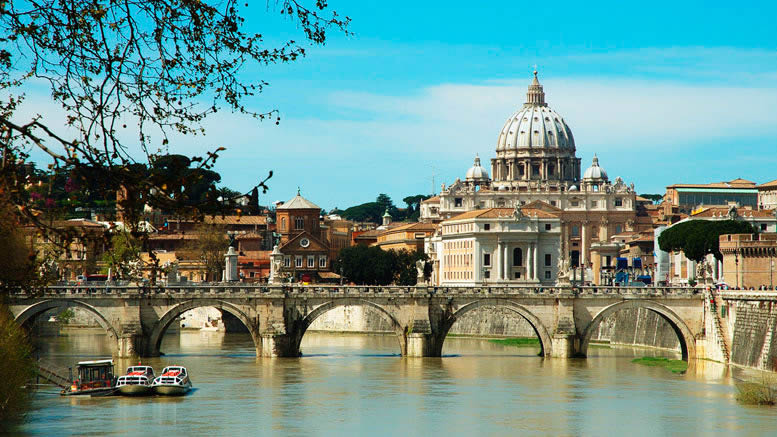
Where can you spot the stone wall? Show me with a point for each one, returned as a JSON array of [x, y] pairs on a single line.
[[351, 319], [754, 343], [492, 321], [640, 327]]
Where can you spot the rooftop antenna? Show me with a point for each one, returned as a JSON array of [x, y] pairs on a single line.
[[434, 169]]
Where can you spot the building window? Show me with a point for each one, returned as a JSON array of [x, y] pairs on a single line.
[[552, 203], [550, 170], [299, 223], [486, 259], [458, 202], [298, 261], [487, 227], [535, 170], [287, 261], [547, 274], [763, 227], [517, 257], [487, 274], [283, 224], [252, 274], [618, 229], [575, 230], [547, 260], [311, 261], [517, 275], [547, 226], [322, 261], [618, 202], [593, 204], [574, 203]]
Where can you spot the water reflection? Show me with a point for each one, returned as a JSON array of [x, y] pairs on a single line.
[[359, 385]]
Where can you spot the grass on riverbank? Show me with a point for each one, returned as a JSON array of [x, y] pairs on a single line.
[[517, 341], [675, 366], [756, 393]]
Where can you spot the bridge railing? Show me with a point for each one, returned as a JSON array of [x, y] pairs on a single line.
[[221, 289]]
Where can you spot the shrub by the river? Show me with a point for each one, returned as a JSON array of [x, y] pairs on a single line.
[[756, 393], [16, 368], [675, 366]]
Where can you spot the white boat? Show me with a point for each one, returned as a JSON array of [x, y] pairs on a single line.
[[137, 382], [174, 381]]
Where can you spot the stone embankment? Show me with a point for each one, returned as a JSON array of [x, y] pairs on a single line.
[[750, 319]]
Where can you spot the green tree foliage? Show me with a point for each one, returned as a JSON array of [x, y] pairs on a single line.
[[366, 212], [656, 198], [209, 248], [414, 206], [697, 238], [123, 257], [365, 265], [17, 367], [18, 263]]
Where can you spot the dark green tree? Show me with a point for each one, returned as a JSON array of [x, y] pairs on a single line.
[[366, 212], [656, 198], [414, 206], [697, 238]]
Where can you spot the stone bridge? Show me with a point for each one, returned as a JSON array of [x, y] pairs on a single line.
[[563, 317]]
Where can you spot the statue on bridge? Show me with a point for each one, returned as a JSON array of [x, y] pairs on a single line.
[[563, 275], [420, 266]]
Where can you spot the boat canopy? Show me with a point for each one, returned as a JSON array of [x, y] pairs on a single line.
[[96, 363]]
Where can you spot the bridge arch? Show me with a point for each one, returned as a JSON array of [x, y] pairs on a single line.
[[684, 334], [41, 307], [160, 327], [323, 308], [534, 321]]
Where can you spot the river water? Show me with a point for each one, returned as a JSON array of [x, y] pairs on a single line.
[[358, 385]]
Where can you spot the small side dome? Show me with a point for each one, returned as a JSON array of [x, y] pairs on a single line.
[[594, 171], [476, 172]]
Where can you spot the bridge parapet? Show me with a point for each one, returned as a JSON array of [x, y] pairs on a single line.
[[258, 291]]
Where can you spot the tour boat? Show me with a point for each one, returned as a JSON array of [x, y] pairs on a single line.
[[137, 381], [94, 378], [173, 381]]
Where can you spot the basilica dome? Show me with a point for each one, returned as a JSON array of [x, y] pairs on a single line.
[[535, 125], [594, 171], [476, 172]]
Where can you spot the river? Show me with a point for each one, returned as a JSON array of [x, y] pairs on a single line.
[[358, 385]]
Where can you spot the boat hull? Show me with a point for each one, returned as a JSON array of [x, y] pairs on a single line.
[[135, 390], [171, 390]]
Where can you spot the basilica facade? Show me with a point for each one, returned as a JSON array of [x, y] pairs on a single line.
[[536, 166]]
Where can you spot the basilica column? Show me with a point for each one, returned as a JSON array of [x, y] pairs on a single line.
[[477, 262], [506, 263], [534, 253], [498, 261], [584, 243]]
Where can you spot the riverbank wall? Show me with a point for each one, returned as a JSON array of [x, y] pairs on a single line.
[[750, 321]]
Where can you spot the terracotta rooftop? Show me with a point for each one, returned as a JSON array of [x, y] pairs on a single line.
[[236, 220], [411, 227], [502, 212], [736, 183], [435, 199], [742, 212], [769, 184]]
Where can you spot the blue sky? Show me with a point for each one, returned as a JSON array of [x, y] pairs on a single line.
[[663, 92]]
